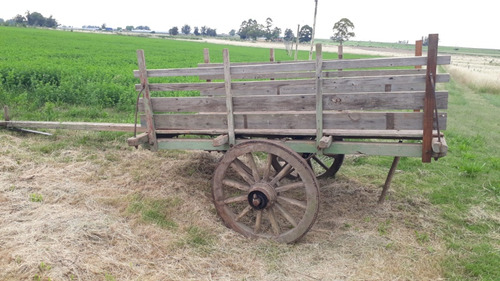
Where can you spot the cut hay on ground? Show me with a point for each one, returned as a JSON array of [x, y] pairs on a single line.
[[75, 214]]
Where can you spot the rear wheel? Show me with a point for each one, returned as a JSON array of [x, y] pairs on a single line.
[[323, 166]]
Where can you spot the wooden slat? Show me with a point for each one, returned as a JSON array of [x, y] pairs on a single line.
[[330, 83], [299, 120], [350, 101], [87, 126], [326, 74], [382, 62], [347, 134], [331, 64], [174, 72], [272, 68]]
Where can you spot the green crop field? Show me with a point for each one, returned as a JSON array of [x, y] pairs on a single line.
[[440, 221], [44, 69]]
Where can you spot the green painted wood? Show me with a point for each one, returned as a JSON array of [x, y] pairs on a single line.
[[357, 148]]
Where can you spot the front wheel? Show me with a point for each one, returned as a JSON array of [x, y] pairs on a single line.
[[259, 201]]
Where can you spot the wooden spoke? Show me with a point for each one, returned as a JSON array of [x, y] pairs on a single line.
[[242, 169], [286, 214], [274, 223], [236, 184], [267, 170], [285, 171], [269, 214], [317, 160], [236, 199], [253, 166], [258, 222], [243, 213], [290, 186], [294, 202]]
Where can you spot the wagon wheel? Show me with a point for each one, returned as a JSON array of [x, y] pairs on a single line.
[[257, 201], [324, 166]]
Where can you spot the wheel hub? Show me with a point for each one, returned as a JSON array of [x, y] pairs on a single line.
[[261, 196]]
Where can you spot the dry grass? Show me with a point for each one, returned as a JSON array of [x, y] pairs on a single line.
[[85, 228], [479, 72]]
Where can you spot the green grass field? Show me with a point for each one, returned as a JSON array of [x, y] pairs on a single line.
[[54, 75]]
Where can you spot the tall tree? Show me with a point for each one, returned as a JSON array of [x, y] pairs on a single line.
[[35, 19], [289, 36], [250, 29], [19, 19], [196, 31], [173, 31], [186, 29], [305, 34], [342, 31]]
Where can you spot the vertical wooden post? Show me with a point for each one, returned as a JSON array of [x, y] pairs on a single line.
[[297, 41], [148, 107], [314, 29], [430, 100], [206, 55], [340, 54], [206, 58], [229, 97], [418, 53], [6, 115], [272, 59], [319, 93]]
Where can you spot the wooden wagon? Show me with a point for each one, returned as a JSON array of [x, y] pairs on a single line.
[[283, 124]]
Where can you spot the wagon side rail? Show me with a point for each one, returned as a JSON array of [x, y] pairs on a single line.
[[300, 103]]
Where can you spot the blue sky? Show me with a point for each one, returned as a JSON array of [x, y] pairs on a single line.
[[459, 23]]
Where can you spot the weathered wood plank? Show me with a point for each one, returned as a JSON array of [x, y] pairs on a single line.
[[138, 140], [354, 101], [246, 69], [347, 134], [326, 74], [220, 140], [325, 142], [359, 148], [298, 120], [306, 84], [174, 72], [87, 126]]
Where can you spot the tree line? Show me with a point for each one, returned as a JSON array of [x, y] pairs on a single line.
[[31, 19], [249, 29]]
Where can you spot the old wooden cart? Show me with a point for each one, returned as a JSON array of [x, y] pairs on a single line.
[[282, 125]]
